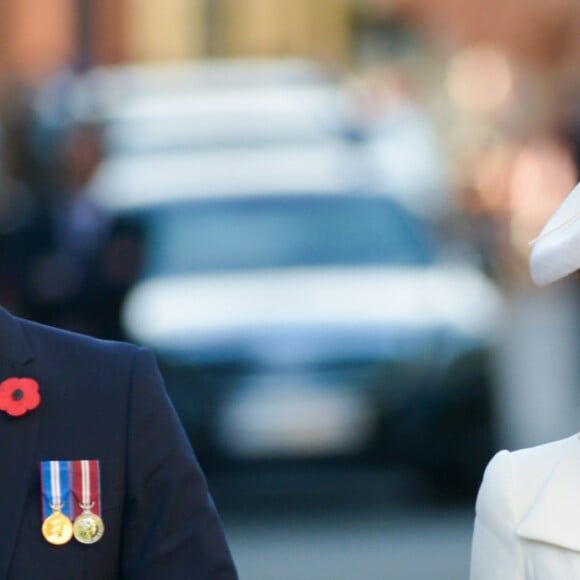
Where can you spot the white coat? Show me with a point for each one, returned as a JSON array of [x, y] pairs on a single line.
[[527, 524]]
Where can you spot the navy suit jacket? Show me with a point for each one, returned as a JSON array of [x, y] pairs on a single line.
[[106, 401]]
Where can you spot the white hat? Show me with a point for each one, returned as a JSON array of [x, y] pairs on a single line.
[[556, 251]]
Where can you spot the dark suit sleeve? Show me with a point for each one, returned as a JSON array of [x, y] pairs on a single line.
[[171, 528]]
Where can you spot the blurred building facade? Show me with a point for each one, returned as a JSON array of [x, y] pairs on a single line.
[[543, 33], [39, 35]]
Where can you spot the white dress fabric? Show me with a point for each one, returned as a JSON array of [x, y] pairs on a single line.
[[527, 524]]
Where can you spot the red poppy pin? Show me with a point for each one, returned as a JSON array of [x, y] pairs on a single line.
[[18, 396]]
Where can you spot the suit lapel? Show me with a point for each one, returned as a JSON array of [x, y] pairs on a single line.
[[553, 517], [18, 437]]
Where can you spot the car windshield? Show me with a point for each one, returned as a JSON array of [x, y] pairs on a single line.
[[281, 232]]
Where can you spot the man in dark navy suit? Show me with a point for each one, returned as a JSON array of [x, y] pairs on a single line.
[[104, 402]]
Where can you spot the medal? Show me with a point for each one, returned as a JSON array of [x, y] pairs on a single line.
[[88, 526], [57, 527]]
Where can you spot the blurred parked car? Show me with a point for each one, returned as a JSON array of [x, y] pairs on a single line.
[[221, 119], [133, 101], [106, 87], [135, 180], [294, 318]]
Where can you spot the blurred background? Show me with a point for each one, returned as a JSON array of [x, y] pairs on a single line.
[[317, 214]]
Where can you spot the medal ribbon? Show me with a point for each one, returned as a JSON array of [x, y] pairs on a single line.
[[55, 478], [86, 486]]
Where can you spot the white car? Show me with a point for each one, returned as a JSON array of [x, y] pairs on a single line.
[[214, 119], [126, 181]]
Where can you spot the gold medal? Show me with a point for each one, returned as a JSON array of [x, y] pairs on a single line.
[[57, 528], [88, 527]]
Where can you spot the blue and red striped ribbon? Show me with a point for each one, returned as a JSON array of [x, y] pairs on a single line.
[[70, 486]]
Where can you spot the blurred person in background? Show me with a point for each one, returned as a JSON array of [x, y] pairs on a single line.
[[16, 206], [70, 276], [403, 151], [527, 521]]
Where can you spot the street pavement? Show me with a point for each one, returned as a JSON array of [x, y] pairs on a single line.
[[337, 526]]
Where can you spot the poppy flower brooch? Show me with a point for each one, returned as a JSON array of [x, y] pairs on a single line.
[[18, 396]]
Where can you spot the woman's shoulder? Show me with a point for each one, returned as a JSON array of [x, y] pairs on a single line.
[[516, 481], [535, 461], [526, 468]]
